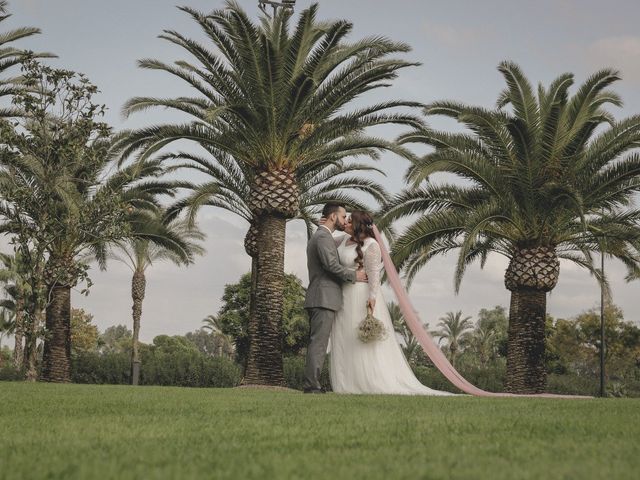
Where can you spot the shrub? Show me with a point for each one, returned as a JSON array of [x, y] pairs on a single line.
[[294, 373], [8, 373], [101, 368], [176, 368], [188, 369]]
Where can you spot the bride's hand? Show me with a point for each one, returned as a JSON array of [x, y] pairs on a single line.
[[371, 303], [322, 221]]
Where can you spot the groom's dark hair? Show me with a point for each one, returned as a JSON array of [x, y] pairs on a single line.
[[331, 207]]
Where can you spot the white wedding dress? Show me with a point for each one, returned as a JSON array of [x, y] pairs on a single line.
[[378, 366]]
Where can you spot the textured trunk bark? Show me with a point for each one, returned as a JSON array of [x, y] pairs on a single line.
[[526, 371], [452, 352], [252, 297], [30, 360], [56, 365], [264, 363], [138, 287], [18, 349]]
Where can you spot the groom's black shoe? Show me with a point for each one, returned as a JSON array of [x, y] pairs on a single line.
[[314, 390]]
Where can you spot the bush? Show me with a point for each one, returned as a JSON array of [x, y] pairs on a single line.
[[294, 373], [432, 378], [188, 369], [590, 385], [177, 368], [106, 368], [9, 374], [572, 385], [489, 378]]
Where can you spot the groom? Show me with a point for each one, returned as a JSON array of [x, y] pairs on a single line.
[[324, 295]]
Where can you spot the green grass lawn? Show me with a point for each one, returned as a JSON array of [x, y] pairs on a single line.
[[102, 432]]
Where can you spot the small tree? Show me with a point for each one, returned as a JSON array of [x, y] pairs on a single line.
[[115, 339], [233, 316], [454, 330], [84, 334]]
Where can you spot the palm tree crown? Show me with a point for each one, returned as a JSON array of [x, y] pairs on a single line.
[[11, 56]]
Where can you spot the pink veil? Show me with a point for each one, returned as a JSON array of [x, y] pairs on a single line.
[[426, 341]]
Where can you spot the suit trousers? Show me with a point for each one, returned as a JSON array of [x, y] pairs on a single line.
[[320, 324]]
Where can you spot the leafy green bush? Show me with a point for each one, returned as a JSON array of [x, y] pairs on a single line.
[[432, 378], [188, 369], [101, 368], [9, 373], [178, 368], [294, 373]]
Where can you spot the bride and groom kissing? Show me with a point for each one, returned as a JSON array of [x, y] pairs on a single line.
[[344, 263]]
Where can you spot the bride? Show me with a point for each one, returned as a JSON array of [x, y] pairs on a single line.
[[379, 366]]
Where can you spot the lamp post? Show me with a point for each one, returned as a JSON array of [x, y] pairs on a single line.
[[602, 345], [284, 4], [602, 300]]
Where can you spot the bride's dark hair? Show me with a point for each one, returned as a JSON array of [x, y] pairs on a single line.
[[362, 224]]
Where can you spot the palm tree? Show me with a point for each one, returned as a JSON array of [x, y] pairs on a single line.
[[410, 345], [11, 57], [275, 100], [483, 342], [7, 325], [454, 330], [139, 253], [16, 287], [546, 176], [224, 341]]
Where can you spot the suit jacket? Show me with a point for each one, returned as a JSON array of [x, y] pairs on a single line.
[[326, 274]]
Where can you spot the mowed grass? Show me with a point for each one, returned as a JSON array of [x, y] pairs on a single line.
[[103, 432]]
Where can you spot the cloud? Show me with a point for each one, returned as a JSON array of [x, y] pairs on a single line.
[[622, 53], [455, 36]]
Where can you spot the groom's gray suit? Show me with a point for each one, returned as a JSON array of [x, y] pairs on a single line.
[[323, 300]]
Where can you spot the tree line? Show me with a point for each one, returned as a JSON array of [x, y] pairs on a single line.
[[546, 175]]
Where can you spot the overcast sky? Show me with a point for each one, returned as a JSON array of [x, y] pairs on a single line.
[[459, 44]]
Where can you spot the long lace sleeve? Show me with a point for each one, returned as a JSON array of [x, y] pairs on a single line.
[[372, 266]]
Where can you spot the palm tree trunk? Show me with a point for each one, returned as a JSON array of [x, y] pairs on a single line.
[[30, 359], [452, 353], [18, 349], [526, 371], [56, 365], [252, 296], [264, 363], [138, 287]]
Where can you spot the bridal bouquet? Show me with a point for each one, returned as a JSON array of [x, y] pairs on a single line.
[[371, 329]]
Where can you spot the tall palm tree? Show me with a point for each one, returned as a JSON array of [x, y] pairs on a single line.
[[11, 56], [546, 176], [277, 101], [454, 329], [139, 253]]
